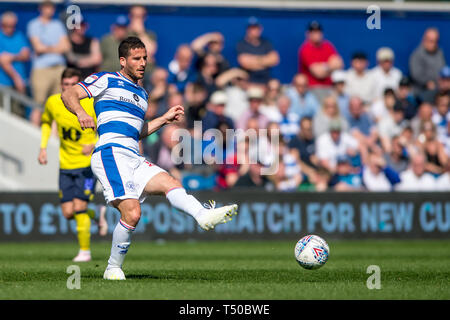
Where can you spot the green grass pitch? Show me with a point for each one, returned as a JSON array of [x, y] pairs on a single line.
[[229, 270]]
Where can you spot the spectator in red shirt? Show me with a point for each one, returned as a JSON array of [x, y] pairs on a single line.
[[317, 59]]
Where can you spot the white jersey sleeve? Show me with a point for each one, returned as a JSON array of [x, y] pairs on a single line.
[[95, 84]]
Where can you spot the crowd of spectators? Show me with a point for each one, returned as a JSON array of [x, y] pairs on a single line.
[[331, 128]]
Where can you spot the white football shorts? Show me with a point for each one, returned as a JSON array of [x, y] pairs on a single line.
[[122, 173]]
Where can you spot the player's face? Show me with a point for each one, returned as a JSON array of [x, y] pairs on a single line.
[[134, 64], [67, 83]]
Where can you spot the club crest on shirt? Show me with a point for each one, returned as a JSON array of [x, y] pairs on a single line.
[[130, 186], [91, 78]]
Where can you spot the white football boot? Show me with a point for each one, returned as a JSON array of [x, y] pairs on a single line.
[[212, 216], [114, 274], [83, 256]]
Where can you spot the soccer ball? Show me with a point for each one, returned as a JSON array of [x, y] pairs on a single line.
[[311, 252]]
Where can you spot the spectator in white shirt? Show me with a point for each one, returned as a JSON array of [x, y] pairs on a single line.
[[376, 174], [358, 82], [334, 143], [443, 181], [235, 84], [415, 178], [385, 75], [380, 108], [269, 106]]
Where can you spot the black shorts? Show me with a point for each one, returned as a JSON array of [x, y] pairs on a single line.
[[76, 183]]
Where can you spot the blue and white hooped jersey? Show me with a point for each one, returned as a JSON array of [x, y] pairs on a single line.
[[120, 106]]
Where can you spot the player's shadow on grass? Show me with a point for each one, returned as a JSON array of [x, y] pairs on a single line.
[[263, 276], [150, 277]]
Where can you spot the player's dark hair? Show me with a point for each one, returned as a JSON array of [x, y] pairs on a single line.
[[46, 3], [129, 43], [71, 72]]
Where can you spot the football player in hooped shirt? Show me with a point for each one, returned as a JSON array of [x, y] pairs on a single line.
[[127, 177]]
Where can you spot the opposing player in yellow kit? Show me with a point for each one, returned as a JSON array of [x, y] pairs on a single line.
[[76, 180]]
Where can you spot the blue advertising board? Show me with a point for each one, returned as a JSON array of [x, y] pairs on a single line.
[[262, 215]]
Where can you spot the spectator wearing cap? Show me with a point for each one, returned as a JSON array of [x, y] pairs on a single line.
[[181, 71], [416, 178], [110, 42], [406, 98], [339, 78], [335, 143], [256, 54], [215, 114], [426, 61], [85, 54], [255, 97], [318, 58], [391, 125], [303, 102], [14, 54], [136, 28], [358, 82], [444, 80], [329, 112], [385, 75], [443, 86], [48, 38], [234, 82]]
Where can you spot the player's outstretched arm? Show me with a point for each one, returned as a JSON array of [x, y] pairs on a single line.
[[174, 114], [71, 99]]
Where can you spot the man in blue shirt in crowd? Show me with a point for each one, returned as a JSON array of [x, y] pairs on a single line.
[[49, 40], [14, 54], [303, 102]]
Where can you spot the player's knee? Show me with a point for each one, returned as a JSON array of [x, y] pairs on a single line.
[[133, 216], [172, 183], [67, 211], [80, 207], [68, 214]]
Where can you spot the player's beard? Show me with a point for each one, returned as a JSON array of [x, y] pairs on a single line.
[[134, 74]]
